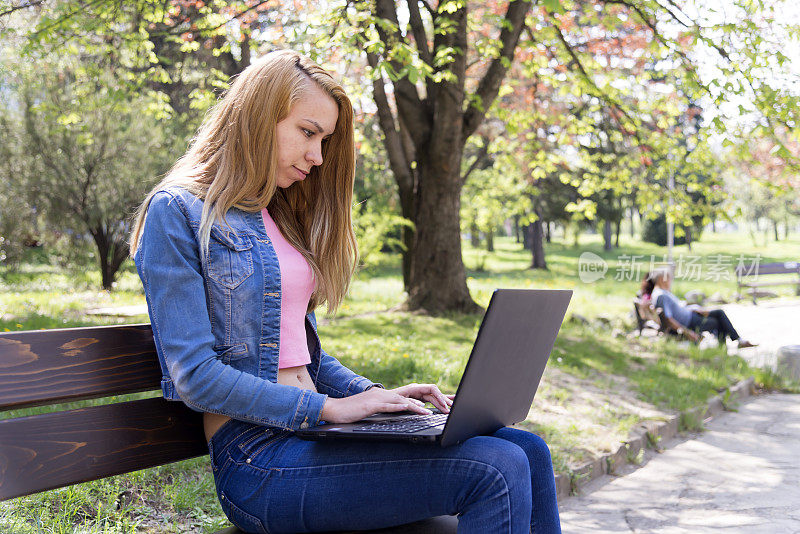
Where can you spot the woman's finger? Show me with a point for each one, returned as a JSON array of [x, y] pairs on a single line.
[[438, 402], [441, 400], [392, 407]]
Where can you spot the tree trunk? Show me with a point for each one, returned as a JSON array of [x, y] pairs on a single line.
[[775, 228], [526, 237], [517, 232], [632, 212], [617, 228], [111, 253], [547, 232], [408, 241], [689, 237], [438, 279], [474, 236], [607, 244], [490, 240], [425, 142], [537, 245]]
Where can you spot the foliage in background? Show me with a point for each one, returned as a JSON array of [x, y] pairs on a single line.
[[87, 151], [376, 232], [638, 68]]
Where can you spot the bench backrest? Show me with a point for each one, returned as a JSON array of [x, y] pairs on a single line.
[[758, 269], [53, 450], [645, 311]]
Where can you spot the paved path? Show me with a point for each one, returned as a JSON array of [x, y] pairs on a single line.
[[772, 323], [741, 475]]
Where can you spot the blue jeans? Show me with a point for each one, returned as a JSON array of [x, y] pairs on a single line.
[[716, 322], [269, 480]]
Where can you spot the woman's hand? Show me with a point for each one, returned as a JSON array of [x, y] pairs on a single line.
[[372, 401], [427, 392], [692, 335]]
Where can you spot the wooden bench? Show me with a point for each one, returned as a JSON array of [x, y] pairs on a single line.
[[53, 450], [649, 317], [748, 276]]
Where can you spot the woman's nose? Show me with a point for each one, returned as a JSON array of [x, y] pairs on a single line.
[[314, 154]]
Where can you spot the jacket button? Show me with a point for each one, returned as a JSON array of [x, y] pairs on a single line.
[[304, 424]]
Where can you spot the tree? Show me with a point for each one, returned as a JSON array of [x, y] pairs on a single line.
[[18, 221], [106, 73], [437, 70], [86, 163], [425, 135], [490, 193], [766, 186]]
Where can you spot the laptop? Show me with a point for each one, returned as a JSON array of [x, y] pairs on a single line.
[[502, 374]]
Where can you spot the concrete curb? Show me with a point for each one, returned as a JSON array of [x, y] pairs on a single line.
[[648, 434]]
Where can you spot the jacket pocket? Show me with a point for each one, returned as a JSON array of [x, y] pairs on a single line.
[[230, 258], [231, 353]]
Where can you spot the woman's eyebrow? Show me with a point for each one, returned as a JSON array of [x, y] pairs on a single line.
[[317, 125]]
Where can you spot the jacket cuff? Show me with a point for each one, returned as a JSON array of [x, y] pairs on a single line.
[[360, 384], [309, 410]]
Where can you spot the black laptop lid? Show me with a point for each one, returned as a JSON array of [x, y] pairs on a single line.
[[507, 361]]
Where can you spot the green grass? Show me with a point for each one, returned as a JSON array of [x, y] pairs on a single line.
[[600, 382], [174, 498]]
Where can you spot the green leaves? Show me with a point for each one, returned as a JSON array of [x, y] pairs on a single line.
[[554, 6]]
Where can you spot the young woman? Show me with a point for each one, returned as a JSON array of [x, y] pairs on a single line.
[[690, 321], [243, 239]]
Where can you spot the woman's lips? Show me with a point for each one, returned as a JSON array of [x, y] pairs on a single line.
[[300, 173]]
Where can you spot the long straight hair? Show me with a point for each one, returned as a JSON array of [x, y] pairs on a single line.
[[232, 161]]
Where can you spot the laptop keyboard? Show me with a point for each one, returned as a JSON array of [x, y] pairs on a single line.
[[407, 424]]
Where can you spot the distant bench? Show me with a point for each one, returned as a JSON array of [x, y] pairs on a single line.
[[749, 277], [53, 450]]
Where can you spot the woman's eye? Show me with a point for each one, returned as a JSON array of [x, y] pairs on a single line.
[[308, 133]]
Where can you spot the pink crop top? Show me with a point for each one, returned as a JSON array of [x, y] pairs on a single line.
[[297, 285]]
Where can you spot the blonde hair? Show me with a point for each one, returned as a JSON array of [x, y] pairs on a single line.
[[232, 162]]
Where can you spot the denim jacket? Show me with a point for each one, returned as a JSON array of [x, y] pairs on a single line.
[[216, 323]]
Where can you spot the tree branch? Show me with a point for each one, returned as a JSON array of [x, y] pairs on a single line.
[[421, 38], [672, 14], [21, 6], [64, 18], [585, 75], [407, 98], [391, 136], [489, 85], [479, 158]]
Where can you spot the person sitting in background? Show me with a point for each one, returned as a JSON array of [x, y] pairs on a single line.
[[690, 321], [646, 291]]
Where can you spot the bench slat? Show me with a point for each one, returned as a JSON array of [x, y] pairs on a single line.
[[52, 450], [756, 269], [41, 367], [765, 284]]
